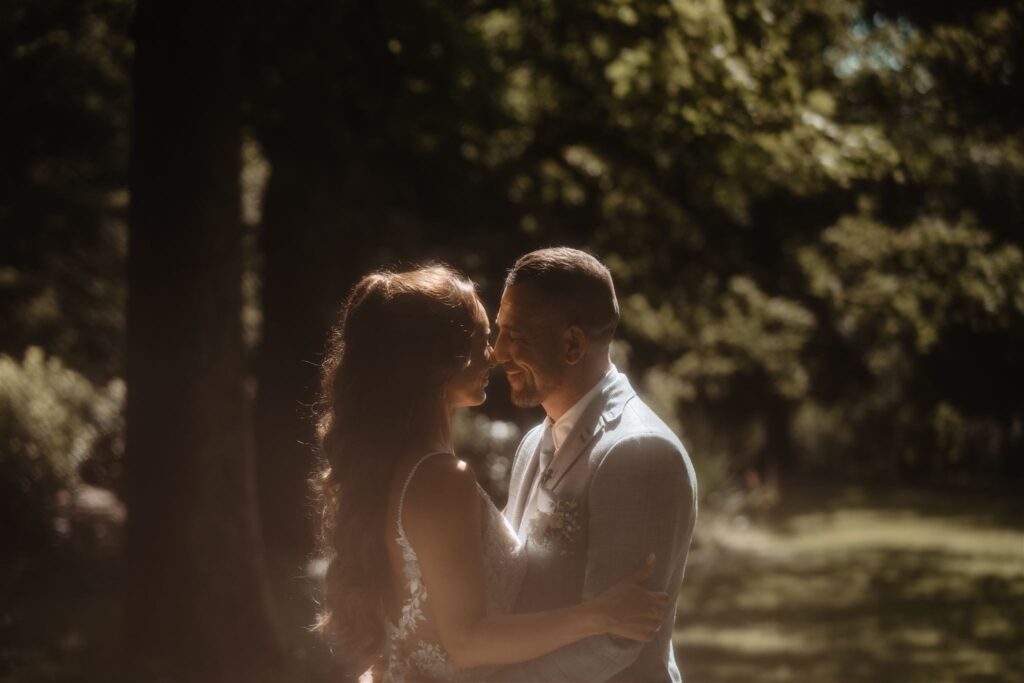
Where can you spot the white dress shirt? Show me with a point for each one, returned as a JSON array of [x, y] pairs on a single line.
[[562, 427]]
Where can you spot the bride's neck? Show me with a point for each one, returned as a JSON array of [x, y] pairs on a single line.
[[438, 439]]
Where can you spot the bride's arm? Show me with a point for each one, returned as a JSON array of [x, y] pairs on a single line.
[[443, 520]]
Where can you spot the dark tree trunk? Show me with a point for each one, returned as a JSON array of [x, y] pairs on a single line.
[[310, 262], [197, 594]]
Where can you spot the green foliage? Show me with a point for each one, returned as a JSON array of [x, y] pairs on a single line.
[[811, 209], [900, 309], [63, 177], [52, 419], [805, 205], [906, 287]]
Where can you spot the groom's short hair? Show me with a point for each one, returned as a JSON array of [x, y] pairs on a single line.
[[578, 285]]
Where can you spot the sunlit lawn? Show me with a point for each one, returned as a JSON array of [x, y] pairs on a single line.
[[907, 588], [833, 588]]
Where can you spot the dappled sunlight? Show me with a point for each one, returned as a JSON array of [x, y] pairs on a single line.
[[856, 529], [855, 594], [752, 639]]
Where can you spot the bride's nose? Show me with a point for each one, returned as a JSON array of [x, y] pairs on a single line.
[[489, 357]]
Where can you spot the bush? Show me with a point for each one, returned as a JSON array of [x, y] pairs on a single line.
[[51, 420]]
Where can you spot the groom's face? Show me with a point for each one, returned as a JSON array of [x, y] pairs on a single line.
[[528, 346]]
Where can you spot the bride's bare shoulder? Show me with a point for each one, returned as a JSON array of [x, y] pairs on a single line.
[[442, 473], [443, 487]]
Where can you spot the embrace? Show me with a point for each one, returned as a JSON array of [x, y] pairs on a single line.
[[577, 579]]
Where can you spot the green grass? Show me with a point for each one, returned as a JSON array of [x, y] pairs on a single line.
[[903, 588], [835, 587]]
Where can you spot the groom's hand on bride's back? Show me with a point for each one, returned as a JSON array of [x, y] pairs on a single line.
[[629, 609]]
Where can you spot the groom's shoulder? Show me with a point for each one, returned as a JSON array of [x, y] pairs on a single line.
[[641, 439], [639, 423]]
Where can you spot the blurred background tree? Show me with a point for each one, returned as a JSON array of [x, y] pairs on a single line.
[[812, 211], [198, 602]]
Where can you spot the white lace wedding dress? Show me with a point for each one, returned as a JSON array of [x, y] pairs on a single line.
[[407, 651]]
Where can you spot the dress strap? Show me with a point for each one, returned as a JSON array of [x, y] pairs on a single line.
[[405, 487]]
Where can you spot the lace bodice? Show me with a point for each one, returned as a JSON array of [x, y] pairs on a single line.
[[504, 565]]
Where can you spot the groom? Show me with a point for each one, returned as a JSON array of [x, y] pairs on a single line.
[[602, 482]]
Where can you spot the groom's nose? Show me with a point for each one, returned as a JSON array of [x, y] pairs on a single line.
[[499, 352]]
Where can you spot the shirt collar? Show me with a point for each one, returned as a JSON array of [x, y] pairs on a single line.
[[562, 427]]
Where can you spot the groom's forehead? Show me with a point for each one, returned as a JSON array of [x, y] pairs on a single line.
[[524, 304]]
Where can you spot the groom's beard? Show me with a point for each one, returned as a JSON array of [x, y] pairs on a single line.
[[532, 392], [526, 397]]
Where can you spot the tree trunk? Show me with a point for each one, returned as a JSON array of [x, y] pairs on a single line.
[[310, 262], [197, 594]]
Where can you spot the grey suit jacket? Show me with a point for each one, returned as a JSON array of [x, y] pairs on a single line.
[[622, 487]]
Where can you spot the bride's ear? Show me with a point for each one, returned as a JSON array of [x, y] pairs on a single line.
[[575, 342]]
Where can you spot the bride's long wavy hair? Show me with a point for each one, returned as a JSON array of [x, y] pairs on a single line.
[[401, 337]]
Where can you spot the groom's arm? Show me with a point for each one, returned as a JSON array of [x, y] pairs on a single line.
[[641, 500]]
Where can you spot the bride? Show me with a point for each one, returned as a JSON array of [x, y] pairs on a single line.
[[424, 569]]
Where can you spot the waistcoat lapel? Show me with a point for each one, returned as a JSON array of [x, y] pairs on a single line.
[[518, 497], [602, 412]]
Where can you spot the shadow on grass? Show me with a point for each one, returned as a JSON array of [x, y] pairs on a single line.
[[858, 595], [838, 587]]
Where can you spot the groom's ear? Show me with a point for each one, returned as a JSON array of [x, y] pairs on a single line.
[[575, 343]]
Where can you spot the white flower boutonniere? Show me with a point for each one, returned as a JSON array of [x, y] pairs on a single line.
[[558, 526]]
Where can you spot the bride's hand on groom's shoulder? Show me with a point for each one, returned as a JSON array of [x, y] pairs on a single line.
[[628, 609]]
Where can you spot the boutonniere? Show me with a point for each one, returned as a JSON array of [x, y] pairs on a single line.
[[558, 526]]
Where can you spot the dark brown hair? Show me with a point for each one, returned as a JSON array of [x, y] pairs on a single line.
[[578, 284], [401, 337]]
